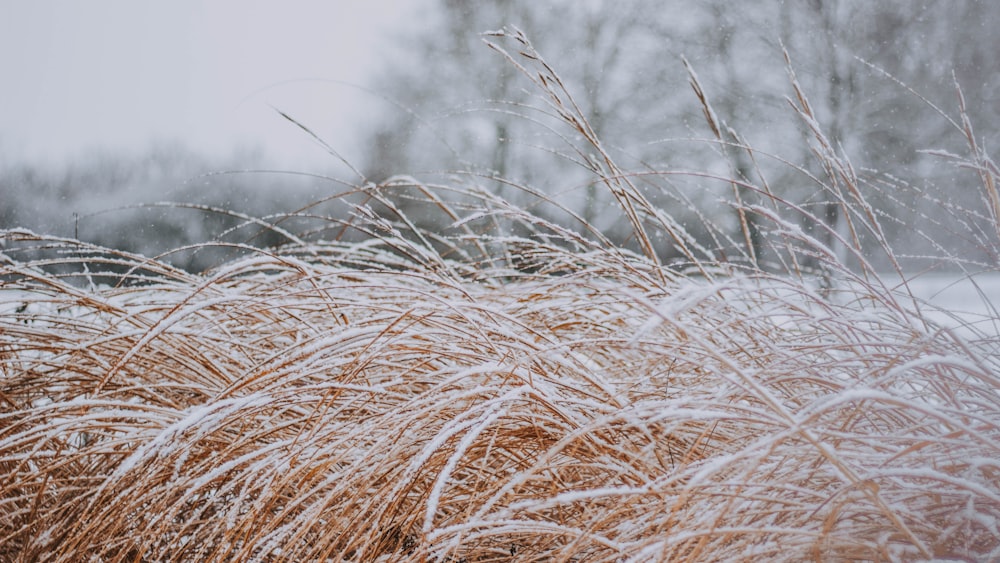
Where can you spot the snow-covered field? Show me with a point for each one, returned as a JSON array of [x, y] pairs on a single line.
[[963, 303]]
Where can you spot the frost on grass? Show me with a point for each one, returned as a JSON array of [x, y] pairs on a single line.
[[401, 399], [332, 411]]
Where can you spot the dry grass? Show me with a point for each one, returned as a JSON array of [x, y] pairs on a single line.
[[397, 399]]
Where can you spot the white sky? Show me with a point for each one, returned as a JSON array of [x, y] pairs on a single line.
[[115, 75]]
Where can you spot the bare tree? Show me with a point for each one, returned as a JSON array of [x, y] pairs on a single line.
[[465, 108]]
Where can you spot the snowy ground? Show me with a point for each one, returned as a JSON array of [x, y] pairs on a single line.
[[960, 302]]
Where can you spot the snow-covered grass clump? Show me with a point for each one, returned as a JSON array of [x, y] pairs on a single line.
[[330, 411], [477, 395]]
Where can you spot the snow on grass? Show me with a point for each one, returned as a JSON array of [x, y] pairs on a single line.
[[334, 412], [401, 399]]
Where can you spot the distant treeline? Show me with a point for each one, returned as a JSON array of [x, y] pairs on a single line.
[[879, 80]]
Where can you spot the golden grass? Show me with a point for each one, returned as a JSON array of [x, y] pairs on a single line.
[[381, 401], [285, 410]]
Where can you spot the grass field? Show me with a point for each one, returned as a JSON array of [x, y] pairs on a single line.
[[472, 395]]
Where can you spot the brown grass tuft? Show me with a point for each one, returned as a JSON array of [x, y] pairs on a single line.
[[285, 410]]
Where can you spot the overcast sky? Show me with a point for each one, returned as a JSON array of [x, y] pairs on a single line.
[[117, 75]]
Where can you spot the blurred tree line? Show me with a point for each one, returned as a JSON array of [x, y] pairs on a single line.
[[468, 109], [160, 201], [463, 112]]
